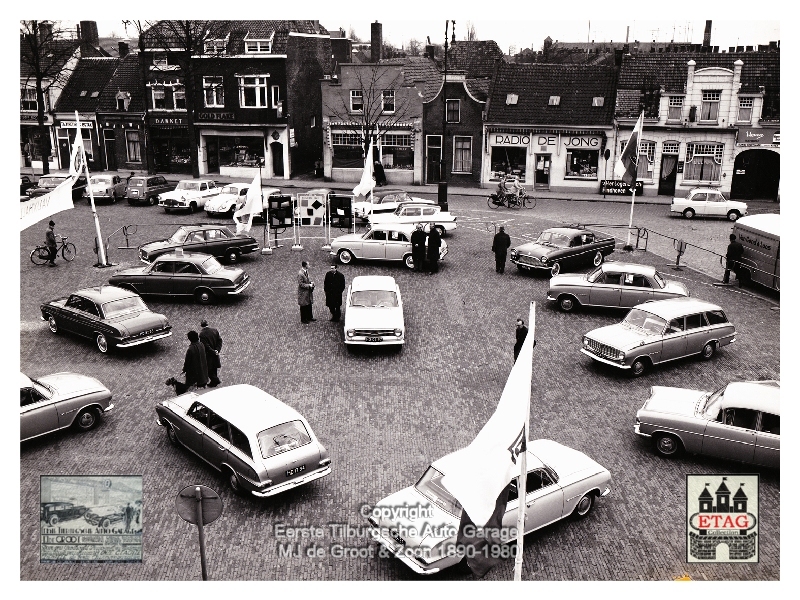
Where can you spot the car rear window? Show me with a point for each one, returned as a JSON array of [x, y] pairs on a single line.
[[283, 438], [136, 182], [716, 317], [123, 306]]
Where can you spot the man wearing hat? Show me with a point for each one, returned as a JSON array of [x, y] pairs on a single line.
[[500, 246], [50, 242], [213, 344], [418, 238]]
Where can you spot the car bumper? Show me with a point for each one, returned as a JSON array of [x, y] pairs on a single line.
[[313, 475], [170, 206], [637, 429], [144, 340], [411, 562], [108, 408], [605, 360], [361, 341], [240, 289], [529, 266]]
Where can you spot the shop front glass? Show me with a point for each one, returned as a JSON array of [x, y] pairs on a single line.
[[396, 151], [581, 164], [172, 151], [348, 153], [240, 151], [508, 161]]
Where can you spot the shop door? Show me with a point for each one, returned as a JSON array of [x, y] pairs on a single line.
[[276, 148], [542, 177], [110, 146], [212, 154], [666, 183], [756, 174], [161, 155], [63, 151]]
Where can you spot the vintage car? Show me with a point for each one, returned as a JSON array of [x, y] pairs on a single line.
[[613, 285], [190, 194], [47, 183], [382, 242], [707, 202], [146, 189], [59, 401], [384, 201], [740, 421], [107, 187], [261, 445], [232, 197], [561, 482], [660, 331], [25, 184], [108, 315], [561, 247], [54, 513], [216, 240], [374, 312], [184, 274], [105, 516], [413, 213]]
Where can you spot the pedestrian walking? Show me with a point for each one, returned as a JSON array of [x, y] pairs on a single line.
[[732, 258], [434, 243], [194, 366], [334, 287], [418, 239], [305, 293], [50, 242], [521, 333], [500, 246], [212, 341], [379, 174]]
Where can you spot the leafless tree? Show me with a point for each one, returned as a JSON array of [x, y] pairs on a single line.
[[413, 47], [351, 35], [46, 53], [471, 35]]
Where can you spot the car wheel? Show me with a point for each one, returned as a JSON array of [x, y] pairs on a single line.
[[102, 343], [51, 323], [567, 303], [232, 256], [86, 419], [151, 200], [708, 351], [204, 297], [598, 259], [233, 482], [555, 269], [667, 445], [346, 257], [688, 213], [173, 437], [638, 367], [584, 506], [733, 215], [105, 524], [53, 520], [440, 230], [409, 261], [166, 210]]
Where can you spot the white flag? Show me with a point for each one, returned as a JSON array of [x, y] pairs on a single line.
[[34, 210], [76, 158], [367, 183], [253, 205]]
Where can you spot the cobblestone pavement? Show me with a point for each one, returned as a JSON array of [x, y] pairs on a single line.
[[385, 416]]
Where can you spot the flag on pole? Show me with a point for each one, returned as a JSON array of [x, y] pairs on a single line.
[[34, 210], [626, 165], [76, 158], [253, 206], [479, 473], [367, 183]]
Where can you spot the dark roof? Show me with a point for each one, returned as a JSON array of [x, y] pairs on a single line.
[[127, 78], [105, 293], [416, 69], [479, 88], [534, 84], [723, 489], [63, 50], [88, 80], [705, 493], [476, 58]]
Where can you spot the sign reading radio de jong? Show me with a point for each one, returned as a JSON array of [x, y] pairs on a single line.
[[722, 518]]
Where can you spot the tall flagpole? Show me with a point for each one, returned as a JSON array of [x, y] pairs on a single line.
[[633, 190], [522, 478], [101, 248]]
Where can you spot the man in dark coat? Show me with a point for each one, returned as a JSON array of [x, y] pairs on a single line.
[[732, 258], [521, 333], [194, 365], [379, 173], [212, 341], [434, 243], [50, 242], [305, 294], [418, 237], [500, 246], [334, 287]]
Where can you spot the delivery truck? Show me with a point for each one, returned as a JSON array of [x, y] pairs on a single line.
[[761, 238]]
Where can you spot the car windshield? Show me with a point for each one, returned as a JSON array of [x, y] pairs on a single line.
[[552, 238], [646, 321], [123, 306], [179, 236], [100, 180], [51, 182], [231, 189], [283, 438], [374, 299], [42, 388], [659, 279], [211, 265], [713, 404], [430, 486], [592, 277], [188, 185]]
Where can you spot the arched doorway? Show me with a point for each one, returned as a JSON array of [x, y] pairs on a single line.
[[276, 149], [756, 174]]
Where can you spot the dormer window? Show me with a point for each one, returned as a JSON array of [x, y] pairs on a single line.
[[123, 100], [82, 94], [554, 101], [214, 47], [511, 99], [257, 46], [598, 101]]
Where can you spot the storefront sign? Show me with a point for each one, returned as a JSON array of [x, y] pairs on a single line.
[[508, 139], [758, 136], [33, 118], [215, 116], [619, 188], [581, 141], [73, 125], [169, 121], [679, 168]]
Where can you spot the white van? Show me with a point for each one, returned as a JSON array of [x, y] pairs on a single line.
[[761, 262]]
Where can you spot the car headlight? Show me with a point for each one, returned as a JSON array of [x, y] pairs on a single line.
[[585, 341], [398, 332], [621, 356], [351, 332], [543, 259], [159, 198], [514, 253]]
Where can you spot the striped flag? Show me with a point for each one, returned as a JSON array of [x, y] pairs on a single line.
[[626, 165]]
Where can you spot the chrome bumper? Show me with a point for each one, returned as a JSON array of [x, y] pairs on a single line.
[[241, 288], [144, 340], [398, 553], [604, 360], [271, 491]]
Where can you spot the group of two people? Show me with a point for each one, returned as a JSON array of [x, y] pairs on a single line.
[[334, 286], [426, 246], [202, 361]]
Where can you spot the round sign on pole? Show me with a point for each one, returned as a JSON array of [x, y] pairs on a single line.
[[186, 504]]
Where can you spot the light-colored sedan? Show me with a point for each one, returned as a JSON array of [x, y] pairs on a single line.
[[381, 242], [384, 200], [613, 285], [108, 187], [59, 401], [707, 202], [413, 213], [226, 202], [374, 312], [561, 482], [740, 421], [190, 194]]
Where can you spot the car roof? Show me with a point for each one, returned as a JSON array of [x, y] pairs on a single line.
[[677, 307], [198, 227], [105, 293], [373, 282], [704, 189], [629, 267], [445, 463], [387, 191], [567, 230], [756, 395], [194, 257], [403, 227], [238, 184], [419, 202]]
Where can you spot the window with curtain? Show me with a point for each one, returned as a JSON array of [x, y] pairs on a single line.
[[647, 156], [709, 110], [462, 154], [675, 108], [388, 101], [159, 98], [213, 95], [745, 110], [703, 162], [132, 144]]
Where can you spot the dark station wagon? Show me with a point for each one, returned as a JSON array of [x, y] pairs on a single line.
[[561, 247], [216, 240], [146, 189]]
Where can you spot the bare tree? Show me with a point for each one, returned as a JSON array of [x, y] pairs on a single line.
[[471, 35], [351, 35], [413, 47], [46, 59]]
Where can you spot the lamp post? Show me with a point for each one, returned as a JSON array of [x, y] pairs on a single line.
[[442, 166]]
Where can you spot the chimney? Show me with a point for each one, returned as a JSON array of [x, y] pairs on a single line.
[[88, 33], [45, 31], [690, 76], [707, 35], [123, 48], [315, 24], [737, 74], [430, 51], [376, 42]]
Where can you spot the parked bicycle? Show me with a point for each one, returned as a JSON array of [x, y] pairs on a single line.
[[41, 254], [511, 199]]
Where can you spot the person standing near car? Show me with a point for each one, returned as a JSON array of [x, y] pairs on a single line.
[[334, 287], [732, 257], [521, 333], [194, 365], [50, 242], [305, 294], [128, 516], [500, 246], [418, 238], [212, 341], [434, 243]]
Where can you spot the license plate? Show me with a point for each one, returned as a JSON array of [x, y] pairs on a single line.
[[374, 339], [295, 471]]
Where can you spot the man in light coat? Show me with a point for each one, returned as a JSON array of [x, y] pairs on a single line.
[[305, 294]]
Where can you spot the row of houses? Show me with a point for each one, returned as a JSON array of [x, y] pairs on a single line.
[[288, 96]]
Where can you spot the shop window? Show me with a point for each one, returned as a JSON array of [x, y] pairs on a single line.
[[241, 151], [745, 110], [179, 97], [27, 99], [388, 101], [709, 110], [396, 151], [703, 162], [462, 154], [213, 94], [159, 98], [356, 101], [253, 91], [86, 138], [508, 161], [581, 163], [675, 108], [454, 111], [132, 144]]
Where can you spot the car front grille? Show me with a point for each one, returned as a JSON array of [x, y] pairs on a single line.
[[528, 260], [374, 332], [602, 349]]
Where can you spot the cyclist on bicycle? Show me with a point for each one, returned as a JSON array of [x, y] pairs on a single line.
[[517, 189], [502, 190], [50, 242]]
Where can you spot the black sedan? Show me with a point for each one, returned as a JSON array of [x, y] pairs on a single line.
[[559, 247], [216, 240], [184, 273], [47, 183], [25, 184], [108, 315], [53, 513]]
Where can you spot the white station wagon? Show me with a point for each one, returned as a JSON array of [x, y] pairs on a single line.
[[708, 202], [374, 312], [413, 213], [381, 242]]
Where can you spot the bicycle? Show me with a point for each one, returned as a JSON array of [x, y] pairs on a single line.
[[41, 254], [511, 200]]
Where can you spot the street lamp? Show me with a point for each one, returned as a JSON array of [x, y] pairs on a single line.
[[442, 167]]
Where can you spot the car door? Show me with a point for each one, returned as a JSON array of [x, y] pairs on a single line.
[[217, 241], [240, 454], [37, 414], [768, 441], [544, 502], [698, 333], [374, 245], [159, 279], [606, 289], [216, 440], [70, 314], [193, 428], [185, 278], [715, 206], [87, 318], [195, 241], [410, 214], [673, 343], [733, 436], [635, 290], [397, 245]]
